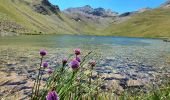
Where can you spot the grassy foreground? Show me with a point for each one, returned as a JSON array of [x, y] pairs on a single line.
[[70, 82]]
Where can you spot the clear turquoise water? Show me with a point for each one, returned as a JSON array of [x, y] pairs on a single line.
[[61, 41], [107, 46], [126, 55]]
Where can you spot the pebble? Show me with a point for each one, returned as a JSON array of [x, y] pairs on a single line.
[[16, 83]]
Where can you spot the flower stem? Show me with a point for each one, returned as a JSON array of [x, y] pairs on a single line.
[[38, 77]]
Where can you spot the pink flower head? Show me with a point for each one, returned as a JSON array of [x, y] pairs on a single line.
[[77, 51], [78, 59], [64, 61], [45, 64], [74, 64], [50, 71], [43, 52], [92, 63], [52, 96]]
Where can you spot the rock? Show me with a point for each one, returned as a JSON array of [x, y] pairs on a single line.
[[134, 83], [106, 76], [127, 14], [42, 10], [123, 83], [19, 88], [46, 8], [166, 4], [32, 77], [16, 83], [118, 76], [27, 92], [23, 59], [30, 70], [45, 79], [90, 12], [11, 64], [94, 75], [106, 69], [112, 85], [166, 40]]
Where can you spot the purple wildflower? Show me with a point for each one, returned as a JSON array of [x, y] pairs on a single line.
[[78, 59], [52, 96], [77, 51], [74, 64], [64, 61], [45, 64], [43, 52], [50, 71]]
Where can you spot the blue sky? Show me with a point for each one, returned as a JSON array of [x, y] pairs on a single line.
[[116, 5]]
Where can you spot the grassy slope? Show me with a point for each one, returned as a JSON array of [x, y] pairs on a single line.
[[35, 22], [152, 24], [86, 25]]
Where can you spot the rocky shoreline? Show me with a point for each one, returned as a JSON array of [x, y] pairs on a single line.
[[119, 72], [2, 34]]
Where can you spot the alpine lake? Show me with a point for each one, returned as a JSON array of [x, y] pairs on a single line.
[[128, 62]]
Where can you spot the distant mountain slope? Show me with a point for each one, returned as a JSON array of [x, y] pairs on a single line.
[[32, 16], [88, 11], [90, 20], [166, 4], [152, 23], [41, 17]]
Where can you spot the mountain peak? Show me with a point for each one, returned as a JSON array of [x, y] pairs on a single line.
[[166, 4], [88, 10], [46, 8], [87, 6]]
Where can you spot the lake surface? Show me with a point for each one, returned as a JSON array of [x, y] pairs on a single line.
[[61, 41], [134, 58]]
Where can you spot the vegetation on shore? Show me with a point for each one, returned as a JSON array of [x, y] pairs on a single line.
[[69, 82]]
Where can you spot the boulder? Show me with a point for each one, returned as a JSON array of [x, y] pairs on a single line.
[[112, 85], [134, 83]]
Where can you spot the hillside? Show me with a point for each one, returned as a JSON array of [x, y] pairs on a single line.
[[90, 20], [25, 16], [41, 17], [152, 23]]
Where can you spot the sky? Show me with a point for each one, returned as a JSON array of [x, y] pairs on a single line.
[[119, 6]]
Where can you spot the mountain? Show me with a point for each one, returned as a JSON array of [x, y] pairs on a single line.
[[42, 17], [32, 17], [151, 23], [166, 4], [89, 11], [46, 8], [90, 20]]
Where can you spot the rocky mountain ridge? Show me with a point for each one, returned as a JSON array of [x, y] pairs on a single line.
[[88, 10], [166, 4], [46, 8]]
